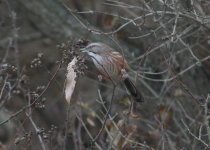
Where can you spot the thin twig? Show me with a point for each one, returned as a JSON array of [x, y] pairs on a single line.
[[29, 105], [88, 132], [193, 135], [106, 115], [206, 116], [37, 132], [178, 74]]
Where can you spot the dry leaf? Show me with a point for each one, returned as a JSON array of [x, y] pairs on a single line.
[[178, 92], [165, 116], [70, 80]]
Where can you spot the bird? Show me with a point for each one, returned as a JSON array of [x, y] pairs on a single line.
[[113, 66]]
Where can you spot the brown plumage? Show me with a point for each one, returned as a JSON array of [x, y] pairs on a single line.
[[113, 66]]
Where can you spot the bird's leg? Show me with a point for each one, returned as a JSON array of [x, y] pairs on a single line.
[[124, 73]]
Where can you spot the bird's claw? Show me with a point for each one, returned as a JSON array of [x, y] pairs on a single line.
[[100, 77]]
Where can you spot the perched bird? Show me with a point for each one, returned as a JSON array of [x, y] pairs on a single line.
[[112, 65]]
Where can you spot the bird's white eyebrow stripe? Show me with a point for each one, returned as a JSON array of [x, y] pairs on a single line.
[[94, 44]]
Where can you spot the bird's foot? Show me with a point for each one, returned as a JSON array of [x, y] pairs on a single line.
[[100, 77], [124, 73]]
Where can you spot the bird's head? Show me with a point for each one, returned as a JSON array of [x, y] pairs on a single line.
[[94, 49]]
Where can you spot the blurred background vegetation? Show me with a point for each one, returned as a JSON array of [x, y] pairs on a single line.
[[166, 43]]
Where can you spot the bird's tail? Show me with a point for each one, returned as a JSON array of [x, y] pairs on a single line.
[[136, 94]]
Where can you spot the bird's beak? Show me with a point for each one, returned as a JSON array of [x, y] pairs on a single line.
[[83, 50]]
